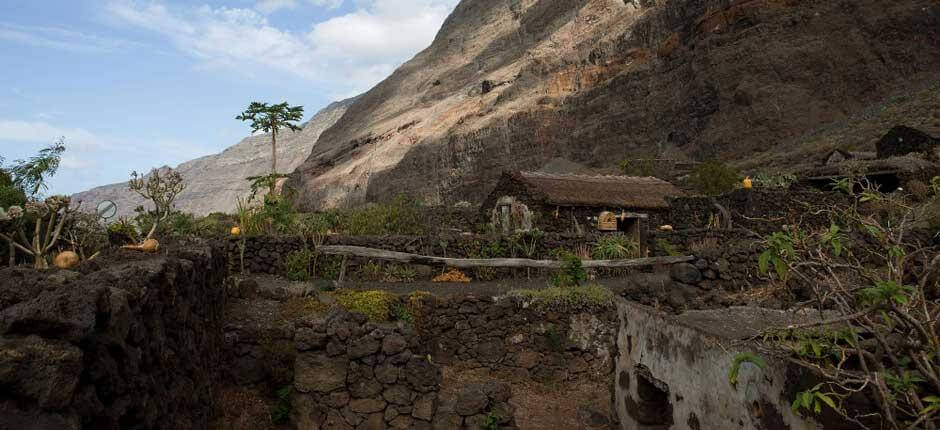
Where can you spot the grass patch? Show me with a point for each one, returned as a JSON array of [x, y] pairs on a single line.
[[567, 298]]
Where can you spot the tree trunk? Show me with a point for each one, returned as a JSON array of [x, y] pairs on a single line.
[[12, 254], [273, 160], [468, 263]]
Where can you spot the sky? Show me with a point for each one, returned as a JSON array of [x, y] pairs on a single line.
[[136, 84]]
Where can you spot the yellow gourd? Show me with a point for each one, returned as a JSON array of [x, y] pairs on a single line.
[[747, 183], [236, 231], [149, 245], [65, 260]]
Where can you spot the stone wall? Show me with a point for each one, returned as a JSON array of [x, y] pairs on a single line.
[[266, 254], [132, 345], [350, 373], [761, 211], [458, 363]]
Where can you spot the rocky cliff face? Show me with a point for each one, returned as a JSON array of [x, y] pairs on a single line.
[[214, 182], [522, 84]]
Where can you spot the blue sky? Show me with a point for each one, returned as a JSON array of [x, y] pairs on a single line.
[[135, 84]]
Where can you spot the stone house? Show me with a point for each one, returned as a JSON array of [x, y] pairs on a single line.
[[576, 203]]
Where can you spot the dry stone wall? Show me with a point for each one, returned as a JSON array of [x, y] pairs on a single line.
[[132, 345]]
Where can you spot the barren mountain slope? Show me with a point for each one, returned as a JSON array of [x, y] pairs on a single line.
[[516, 84], [215, 181]]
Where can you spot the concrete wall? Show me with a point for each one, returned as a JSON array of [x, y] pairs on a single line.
[[672, 372]]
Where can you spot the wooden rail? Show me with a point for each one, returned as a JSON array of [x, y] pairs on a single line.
[[468, 263]]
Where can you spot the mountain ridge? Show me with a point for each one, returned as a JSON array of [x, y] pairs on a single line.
[[519, 84], [215, 181]]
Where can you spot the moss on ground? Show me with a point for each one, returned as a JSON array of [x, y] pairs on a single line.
[[566, 298], [374, 304]]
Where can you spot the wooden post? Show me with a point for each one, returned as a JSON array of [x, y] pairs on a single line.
[[342, 271]]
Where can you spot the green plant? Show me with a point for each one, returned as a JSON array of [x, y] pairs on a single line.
[[812, 400], [779, 253], [371, 271], [282, 411], [615, 247], [297, 265], [374, 304], [159, 188], [741, 358], [29, 175], [401, 312], [399, 273], [402, 215], [713, 177], [877, 282], [571, 274], [270, 119], [563, 299], [764, 179], [935, 186], [491, 420], [668, 247], [86, 235]]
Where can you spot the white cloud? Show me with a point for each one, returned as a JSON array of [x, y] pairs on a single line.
[[43, 132], [348, 53], [271, 6], [90, 158], [63, 39], [329, 4]]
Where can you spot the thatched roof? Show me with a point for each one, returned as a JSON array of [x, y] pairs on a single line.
[[611, 191]]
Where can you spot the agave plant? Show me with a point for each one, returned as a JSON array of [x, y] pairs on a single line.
[[49, 217]]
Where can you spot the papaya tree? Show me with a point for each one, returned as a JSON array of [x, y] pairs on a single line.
[[270, 118]]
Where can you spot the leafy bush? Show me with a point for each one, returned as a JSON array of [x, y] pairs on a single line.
[[400, 216], [297, 265], [374, 304], [713, 177], [773, 180], [371, 271], [572, 273], [561, 299], [399, 273], [615, 247], [86, 235]]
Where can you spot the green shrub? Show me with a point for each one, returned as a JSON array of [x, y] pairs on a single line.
[[765, 179], [572, 273], [561, 299], [374, 304], [371, 271], [713, 177], [400, 216], [329, 266], [297, 265], [615, 247], [400, 273]]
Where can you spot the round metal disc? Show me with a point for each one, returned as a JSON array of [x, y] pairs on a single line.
[[106, 209]]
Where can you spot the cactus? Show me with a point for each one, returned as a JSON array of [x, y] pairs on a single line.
[[50, 215]]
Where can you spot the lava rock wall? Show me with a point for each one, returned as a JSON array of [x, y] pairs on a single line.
[[133, 345]]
